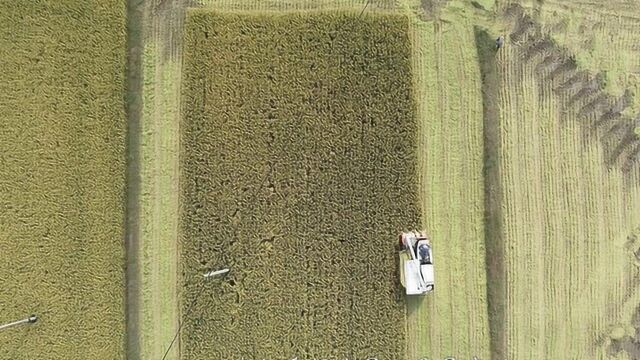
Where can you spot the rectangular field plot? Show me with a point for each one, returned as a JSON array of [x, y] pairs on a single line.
[[298, 171], [62, 178]]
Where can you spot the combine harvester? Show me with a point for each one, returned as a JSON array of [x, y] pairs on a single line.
[[416, 263]]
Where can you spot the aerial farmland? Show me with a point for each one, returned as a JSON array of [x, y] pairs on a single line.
[[320, 179], [62, 184]]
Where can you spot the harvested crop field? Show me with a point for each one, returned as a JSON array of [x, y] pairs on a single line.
[[569, 203], [298, 170], [453, 321], [62, 178]]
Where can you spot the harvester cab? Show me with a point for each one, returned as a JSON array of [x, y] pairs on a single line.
[[416, 263]]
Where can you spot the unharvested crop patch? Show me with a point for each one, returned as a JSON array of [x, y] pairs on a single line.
[[62, 178], [298, 170]]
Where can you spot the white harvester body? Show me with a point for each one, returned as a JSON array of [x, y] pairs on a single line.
[[416, 263]]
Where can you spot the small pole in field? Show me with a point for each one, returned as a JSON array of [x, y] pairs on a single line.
[[215, 273], [207, 275], [30, 320]]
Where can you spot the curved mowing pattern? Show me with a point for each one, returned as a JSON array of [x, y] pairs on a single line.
[[62, 178], [299, 169], [604, 37]]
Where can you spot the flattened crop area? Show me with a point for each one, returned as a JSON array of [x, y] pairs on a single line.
[[62, 178], [298, 169]]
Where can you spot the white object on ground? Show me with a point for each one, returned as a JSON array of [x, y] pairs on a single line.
[[30, 320], [214, 273]]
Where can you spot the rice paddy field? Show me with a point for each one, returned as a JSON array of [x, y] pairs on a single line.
[[62, 178], [299, 158]]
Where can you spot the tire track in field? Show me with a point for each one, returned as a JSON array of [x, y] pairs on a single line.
[[493, 193], [132, 237]]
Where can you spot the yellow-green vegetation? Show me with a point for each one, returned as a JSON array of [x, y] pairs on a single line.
[[453, 320], [309, 140], [62, 178], [298, 169], [566, 215]]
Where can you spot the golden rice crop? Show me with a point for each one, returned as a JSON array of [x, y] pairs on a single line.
[[62, 178], [298, 172]]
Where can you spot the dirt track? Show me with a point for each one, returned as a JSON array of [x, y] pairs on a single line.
[[155, 28], [161, 122], [132, 232]]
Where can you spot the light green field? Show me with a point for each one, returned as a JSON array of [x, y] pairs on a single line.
[[158, 155], [566, 217], [453, 320], [603, 35]]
